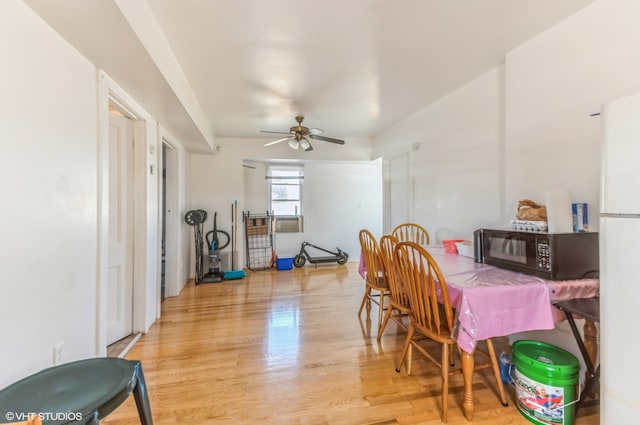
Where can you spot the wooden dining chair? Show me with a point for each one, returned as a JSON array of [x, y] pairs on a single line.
[[398, 309], [432, 316], [411, 232], [376, 286]]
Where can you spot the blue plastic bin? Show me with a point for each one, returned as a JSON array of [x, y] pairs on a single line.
[[285, 263]]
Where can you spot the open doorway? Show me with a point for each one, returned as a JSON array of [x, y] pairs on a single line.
[[169, 222], [398, 190], [163, 239]]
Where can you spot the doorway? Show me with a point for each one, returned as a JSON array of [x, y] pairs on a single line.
[[169, 222], [163, 233], [143, 186], [399, 190]]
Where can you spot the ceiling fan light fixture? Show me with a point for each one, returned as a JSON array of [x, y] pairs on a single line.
[[306, 145], [294, 144], [301, 136]]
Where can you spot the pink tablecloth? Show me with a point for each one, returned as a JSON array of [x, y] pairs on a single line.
[[495, 302], [362, 269]]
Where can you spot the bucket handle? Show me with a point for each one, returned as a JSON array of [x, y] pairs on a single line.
[[578, 388]]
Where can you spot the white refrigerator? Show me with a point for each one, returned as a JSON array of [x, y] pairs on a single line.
[[620, 263]]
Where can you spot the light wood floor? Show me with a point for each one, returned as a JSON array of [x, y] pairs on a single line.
[[286, 347], [119, 347]]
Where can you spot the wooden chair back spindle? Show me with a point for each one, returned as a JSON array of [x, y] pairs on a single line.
[[398, 297], [427, 291], [411, 232]]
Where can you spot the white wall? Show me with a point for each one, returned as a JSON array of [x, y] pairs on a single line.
[[48, 190], [522, 128], [337, 180], [53, 218], [553, 83], [256, 187], [455, 151], [339, 199]]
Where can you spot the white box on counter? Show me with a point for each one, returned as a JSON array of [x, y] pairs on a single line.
[[465, 248]]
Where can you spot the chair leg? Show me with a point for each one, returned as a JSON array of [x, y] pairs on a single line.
[[387, 316], [445, 381], [368, 304], [380, 311], [366, 299], [407, 343], [142, 398], [93, 420], [496, 372]]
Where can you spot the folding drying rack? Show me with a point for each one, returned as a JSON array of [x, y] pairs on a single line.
[[259, 240]]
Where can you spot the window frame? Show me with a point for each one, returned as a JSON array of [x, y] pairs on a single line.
[[286, 176]]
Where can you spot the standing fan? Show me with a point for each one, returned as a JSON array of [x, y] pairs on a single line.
[[298, 136]]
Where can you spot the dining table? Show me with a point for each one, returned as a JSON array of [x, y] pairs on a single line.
[[492, 302]]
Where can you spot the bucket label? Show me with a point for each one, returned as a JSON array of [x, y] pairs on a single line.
[[544, 404]]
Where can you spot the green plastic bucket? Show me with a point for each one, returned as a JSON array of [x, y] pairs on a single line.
[[546, 380]]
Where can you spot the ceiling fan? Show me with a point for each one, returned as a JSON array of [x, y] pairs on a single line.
[[298, 136]]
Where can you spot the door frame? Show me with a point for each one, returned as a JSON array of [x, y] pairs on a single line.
[[172, 247], [144, 274], [386, 195]]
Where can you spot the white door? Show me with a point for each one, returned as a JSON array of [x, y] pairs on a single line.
[[120, 264], [399, 189]]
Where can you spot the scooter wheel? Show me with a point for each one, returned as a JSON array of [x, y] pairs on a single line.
[[299, 261], [342, 260]]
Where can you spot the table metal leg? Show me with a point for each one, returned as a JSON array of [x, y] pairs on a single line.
[[587, 350]]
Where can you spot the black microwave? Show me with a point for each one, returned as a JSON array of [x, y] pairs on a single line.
[[553, 256]]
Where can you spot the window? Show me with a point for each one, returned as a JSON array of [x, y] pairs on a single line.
[[286, 190]]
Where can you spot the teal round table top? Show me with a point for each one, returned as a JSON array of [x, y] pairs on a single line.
[[71, 392]]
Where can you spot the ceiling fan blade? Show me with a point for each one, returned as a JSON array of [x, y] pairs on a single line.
[[315, 131], [275, 132], [277, 141], [327, 139]]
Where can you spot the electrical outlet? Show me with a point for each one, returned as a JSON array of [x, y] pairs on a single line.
[[57, 353]]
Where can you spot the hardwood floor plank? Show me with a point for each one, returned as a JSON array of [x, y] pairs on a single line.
[[287, 347]]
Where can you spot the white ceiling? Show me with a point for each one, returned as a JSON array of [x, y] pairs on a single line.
[[231, 68]]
